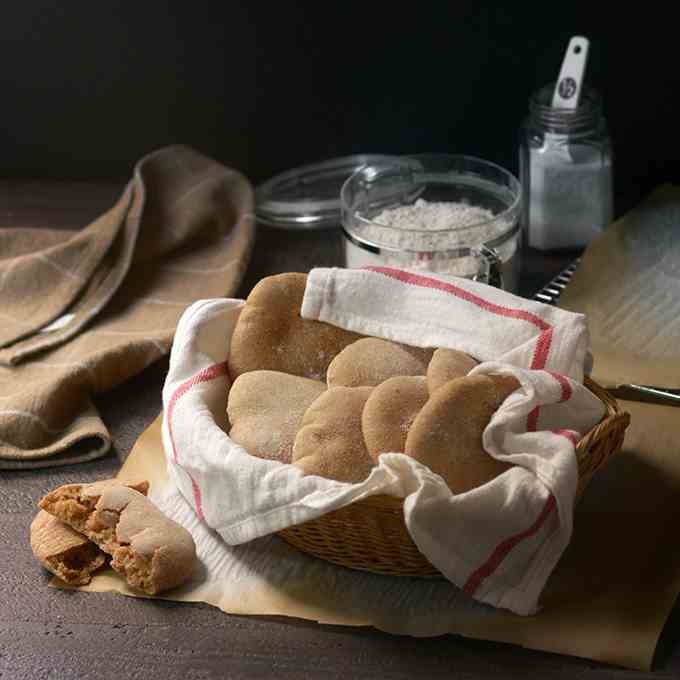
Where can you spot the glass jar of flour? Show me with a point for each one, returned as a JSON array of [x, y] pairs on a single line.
[[566, 172], [435, 213]]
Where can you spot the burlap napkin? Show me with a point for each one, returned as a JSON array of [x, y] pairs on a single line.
[[82, 311]]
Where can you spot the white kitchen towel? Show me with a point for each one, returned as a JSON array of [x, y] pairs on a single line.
[[443, 311], [498, 543]]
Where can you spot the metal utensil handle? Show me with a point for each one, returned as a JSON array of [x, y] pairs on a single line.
[[551, 292], [647, 394]]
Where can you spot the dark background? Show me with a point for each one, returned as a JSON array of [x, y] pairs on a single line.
[[88, 88]]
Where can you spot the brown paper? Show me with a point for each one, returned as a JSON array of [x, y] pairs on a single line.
[[628, 285], [616, 584], [608, 599]]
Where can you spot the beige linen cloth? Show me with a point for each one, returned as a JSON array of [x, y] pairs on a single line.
[[81, 311]]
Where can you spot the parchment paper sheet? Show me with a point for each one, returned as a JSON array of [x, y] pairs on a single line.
[[615, 586], [628, 285]]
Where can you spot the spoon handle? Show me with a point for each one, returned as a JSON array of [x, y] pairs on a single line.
[[568, 90]]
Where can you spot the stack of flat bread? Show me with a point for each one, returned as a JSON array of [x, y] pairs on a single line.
[[330, 401]]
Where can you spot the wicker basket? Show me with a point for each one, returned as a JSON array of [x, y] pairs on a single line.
[[371, 535]]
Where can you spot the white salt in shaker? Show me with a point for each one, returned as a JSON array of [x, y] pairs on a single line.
[[565, 168]]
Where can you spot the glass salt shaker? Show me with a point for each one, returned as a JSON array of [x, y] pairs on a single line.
[[565, 158]]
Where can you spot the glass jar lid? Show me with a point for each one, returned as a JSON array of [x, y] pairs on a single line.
[[308, 197]]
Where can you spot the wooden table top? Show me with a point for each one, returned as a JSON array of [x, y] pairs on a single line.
[[45, 633]]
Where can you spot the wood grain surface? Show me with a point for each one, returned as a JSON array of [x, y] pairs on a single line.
[[45, 633]]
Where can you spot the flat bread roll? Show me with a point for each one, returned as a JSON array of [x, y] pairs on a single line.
[[330, 442], [371, 361], [390, 411], [447, 433], [265, 409], [271, 335], [148, 549], [447, 364]]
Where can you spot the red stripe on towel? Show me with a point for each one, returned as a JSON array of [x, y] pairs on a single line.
[[567, 390], [210, 373], [542, 349], [427, 282], [572, 436], [532, 419], [502, 549]]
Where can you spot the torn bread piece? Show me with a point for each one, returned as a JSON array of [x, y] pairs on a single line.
[[63, 551], [148, 549]]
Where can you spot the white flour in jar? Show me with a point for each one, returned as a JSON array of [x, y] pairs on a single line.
[[428, 217], [425, 235]]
